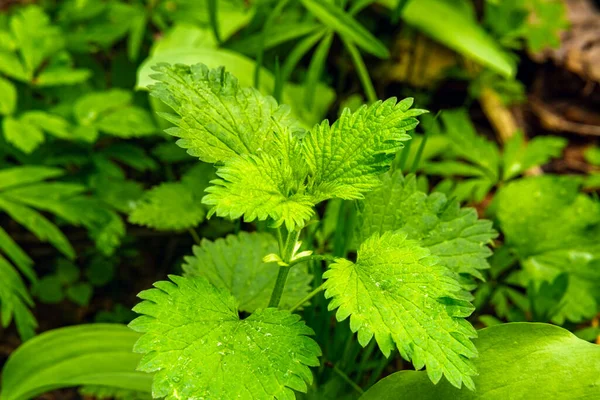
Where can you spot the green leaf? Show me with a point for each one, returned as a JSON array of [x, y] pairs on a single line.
[[259, 188], [454, 234], [8, 97], [23, 175], [16, 254], [538, 23], [94, 354], [131, 155], [12, 67], [469, 155], [554, 229], [345, 158], [168, 206], [199, 347], [218, 119], [49, 290], [50, 123], [122, 195], [519, 360], [90, 107], [67, 272], [37, 39], [399, 293], [343, 23], [80, 293], [14, 301], [451, 26], [519, 156], [235, 264], [24, 136], [592, 155], [41, 227], [127, 122]]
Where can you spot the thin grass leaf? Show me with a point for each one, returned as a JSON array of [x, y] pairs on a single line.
[[361, 69], [315, 70], [343, 23]]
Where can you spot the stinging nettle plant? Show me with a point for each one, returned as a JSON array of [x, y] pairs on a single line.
[[417, 255]]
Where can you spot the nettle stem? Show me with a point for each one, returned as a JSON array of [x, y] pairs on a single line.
[[286, 252]]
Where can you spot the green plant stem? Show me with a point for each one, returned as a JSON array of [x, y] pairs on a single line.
[[347, 379], [279, 285], [195, 236], [309, 296], [285, 253]]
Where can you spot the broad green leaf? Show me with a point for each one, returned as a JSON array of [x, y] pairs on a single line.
[[451, 26], [94, 354], [399, 293], [519, 156], [168, 206], [235, 264], [217, 119], [343, 23], [345, 158], [260, 187], [199, 347], [243, 69], [8, 97], [554, 229], [516, 361], [452, 233], [23, 135]]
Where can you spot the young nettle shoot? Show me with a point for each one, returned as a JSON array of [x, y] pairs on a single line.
[[417, 254]]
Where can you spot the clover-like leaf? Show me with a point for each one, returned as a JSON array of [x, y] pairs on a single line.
[[168, 206], [345, 158], [452, 233], [235, 263], [399, 293], [217, 118], [199, 347]]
